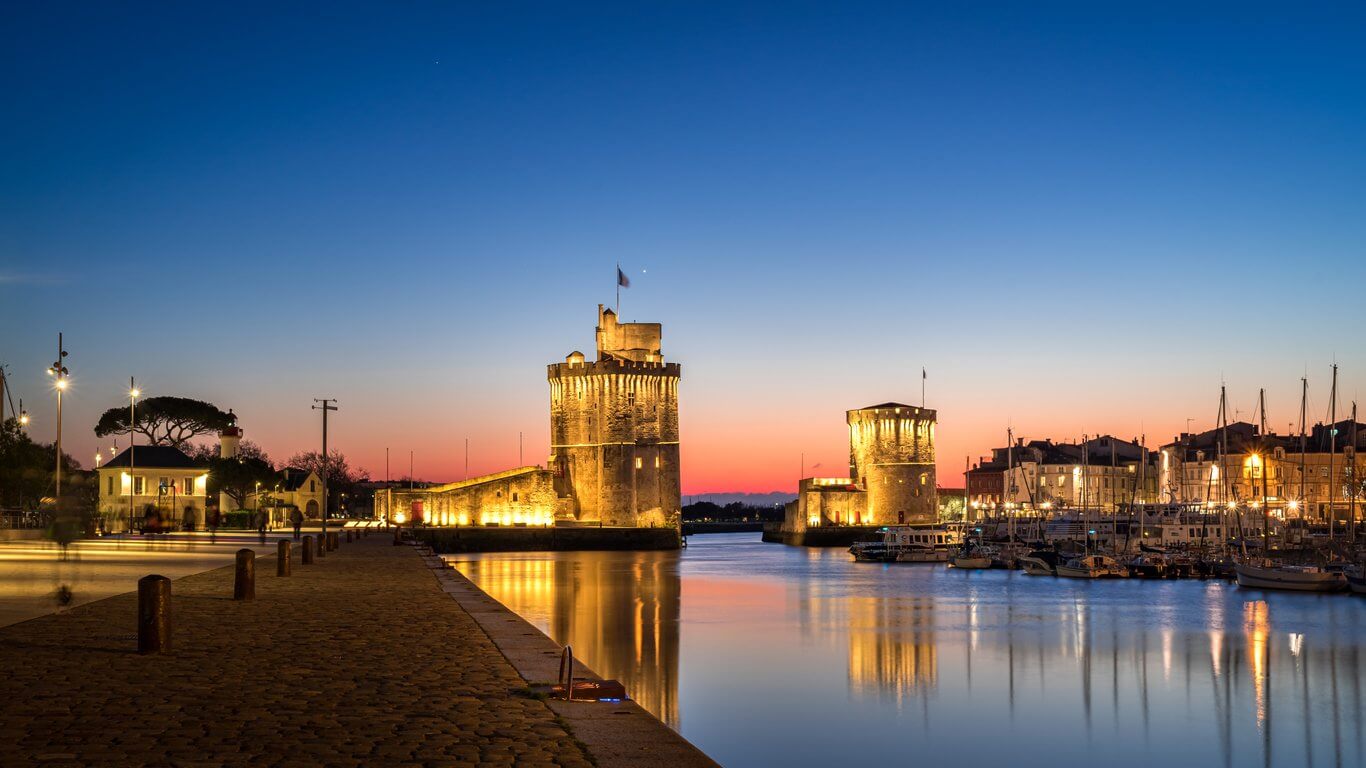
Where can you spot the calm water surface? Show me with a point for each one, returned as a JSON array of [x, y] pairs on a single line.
[[763, 654]]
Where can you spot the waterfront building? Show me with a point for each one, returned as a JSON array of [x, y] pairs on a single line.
[[1102, 472], [1295, 477], [149, 480], [891, 474], [986, 486], [614, 452]]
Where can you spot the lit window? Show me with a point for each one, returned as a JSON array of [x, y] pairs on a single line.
[[640, 462], [137, 485]]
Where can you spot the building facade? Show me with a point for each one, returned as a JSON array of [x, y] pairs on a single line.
[[152, 481]]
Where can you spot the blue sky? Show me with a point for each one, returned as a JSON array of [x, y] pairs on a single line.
[[1078, 217]]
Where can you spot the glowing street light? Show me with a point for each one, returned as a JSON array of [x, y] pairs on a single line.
[[133, 393], [59, 370]]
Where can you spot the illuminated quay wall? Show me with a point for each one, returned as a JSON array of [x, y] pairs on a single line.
[[519, 497]]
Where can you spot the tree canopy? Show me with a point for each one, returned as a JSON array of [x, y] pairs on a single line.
[[237, 477], [166, 420]]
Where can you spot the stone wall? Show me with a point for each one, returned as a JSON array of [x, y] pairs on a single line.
[[614, 440], [891, 457], [524, 496]]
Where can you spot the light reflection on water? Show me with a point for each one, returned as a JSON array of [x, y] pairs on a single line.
[[763, 654]]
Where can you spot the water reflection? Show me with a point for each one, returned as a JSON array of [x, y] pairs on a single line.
[[619, 611], [750, 640]]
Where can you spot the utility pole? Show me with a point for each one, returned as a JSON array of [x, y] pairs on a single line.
[[467, 458], [328, 404], [60, 372]]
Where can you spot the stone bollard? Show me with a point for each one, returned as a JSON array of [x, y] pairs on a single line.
[[282, 558], [331, 541], [307, 554], [348, 536], [320, 545], [397, 538], [154, 614], [244, 582]]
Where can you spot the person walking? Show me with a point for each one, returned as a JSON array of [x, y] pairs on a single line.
[[261, 518], [297, 518]]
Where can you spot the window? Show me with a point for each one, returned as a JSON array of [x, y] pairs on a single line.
[[310, 486], [514, 496], [110, 492], [639, 462], [164, 485], [631, 399], [656, 462], [137, 485], [189, 486]]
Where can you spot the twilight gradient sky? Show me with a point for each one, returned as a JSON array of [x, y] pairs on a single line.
[[1077, 217]]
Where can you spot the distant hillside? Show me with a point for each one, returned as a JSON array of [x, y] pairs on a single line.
[[749, 499]]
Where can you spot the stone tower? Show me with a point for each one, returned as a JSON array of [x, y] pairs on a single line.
[[614, 429], [891, 457]]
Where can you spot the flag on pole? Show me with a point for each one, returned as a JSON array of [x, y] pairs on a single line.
[[622, 279]]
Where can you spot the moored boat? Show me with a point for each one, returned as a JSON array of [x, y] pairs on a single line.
[[1297, 578], [1043, 562], [1092, 567]]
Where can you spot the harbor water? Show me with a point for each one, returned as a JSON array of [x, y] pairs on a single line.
[[762, 654]]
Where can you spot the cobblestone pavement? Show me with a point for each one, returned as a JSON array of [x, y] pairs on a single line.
[[358, 660]]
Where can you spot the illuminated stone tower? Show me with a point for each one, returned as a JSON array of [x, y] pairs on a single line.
[[614, 429], [891, 457]]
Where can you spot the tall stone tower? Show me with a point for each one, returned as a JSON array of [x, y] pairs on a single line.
[[891, 457], [614, 429]]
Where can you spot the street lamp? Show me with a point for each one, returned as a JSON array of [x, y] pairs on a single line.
[[23, 414], [133, 393], [59, 370]]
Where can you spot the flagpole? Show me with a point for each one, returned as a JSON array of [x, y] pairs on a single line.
[[617, 279]]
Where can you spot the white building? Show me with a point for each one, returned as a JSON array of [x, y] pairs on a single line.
[[152, 482]]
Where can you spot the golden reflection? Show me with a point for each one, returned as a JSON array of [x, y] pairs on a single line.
[[891, 645], [618, 611], [1257, 625]]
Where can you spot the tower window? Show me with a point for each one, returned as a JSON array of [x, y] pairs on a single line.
[[631, 399], [639, 462]]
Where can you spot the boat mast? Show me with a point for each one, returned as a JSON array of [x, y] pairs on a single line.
[[1304, 405], [1356, 482], [1085, 492], [1010, 473], [1265, 464], [1332, 449]]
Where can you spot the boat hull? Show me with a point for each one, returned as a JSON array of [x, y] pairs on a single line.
[[971, 563], [1253, 577], [1358, 584]]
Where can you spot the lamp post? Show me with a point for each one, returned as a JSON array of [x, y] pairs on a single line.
[[23, 414], [60, 372], [133, 393]]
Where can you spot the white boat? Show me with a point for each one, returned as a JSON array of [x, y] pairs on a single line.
[[908, 544], [1092, 567], [974, 561], [1298, 578]]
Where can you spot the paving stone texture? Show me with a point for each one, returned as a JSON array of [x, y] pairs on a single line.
[[358, 660]]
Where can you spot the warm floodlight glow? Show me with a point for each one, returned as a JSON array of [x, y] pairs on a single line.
[[1294, 505], [134, 392], [400, 518], [61, 383]]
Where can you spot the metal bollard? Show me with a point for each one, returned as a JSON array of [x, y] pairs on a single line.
[[154, 614], [307, 554], [397, 539], [348, 536], [244, 583], [331, 541], [282, 558], [320, 545]]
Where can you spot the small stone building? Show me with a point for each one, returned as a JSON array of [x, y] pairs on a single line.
[[158, 479]]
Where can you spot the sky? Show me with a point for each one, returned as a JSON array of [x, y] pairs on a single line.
[[1077, 218]]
